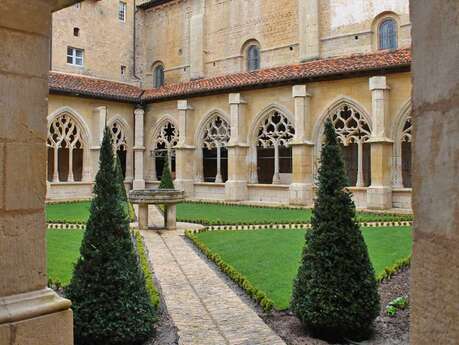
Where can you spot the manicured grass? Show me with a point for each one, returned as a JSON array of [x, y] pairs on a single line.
[[269, 259], [233, 214], [68, 212], [213, 214], [63, 250]]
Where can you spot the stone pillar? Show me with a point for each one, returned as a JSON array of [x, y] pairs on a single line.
[[139, 149], [379, 193], [301, 188], [434, 296], [184, 151], [99, 121], [171, 217], [308, 26], [238, 169], [143, 216], [197, 40], [30, 312]]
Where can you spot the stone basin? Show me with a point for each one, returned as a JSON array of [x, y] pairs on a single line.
[[167, 197]]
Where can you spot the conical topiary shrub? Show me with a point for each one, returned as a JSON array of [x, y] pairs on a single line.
[[166, 179], [120, 179], [110, 302], [335, 292]]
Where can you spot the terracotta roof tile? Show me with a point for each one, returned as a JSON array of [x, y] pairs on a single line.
[[309, 71], [91, 87], [326, 69]]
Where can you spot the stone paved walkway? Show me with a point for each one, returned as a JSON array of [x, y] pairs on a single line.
[[204, 308]]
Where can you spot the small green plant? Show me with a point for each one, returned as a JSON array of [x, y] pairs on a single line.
[[400, 303]]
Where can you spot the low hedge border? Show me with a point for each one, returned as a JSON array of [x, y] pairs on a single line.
[[145, 265], [390, 271], [255, 294]]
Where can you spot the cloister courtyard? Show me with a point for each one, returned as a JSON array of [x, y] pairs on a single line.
[[259, 244]]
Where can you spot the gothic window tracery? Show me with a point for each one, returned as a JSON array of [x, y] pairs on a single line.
[[273, 146], [214, 140], [405, 142], [120, 144], [353, 133], [165, 142], [65, 150]]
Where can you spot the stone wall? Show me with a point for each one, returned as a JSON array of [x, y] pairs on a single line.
[[197, 38], [107, 41], [435, 270]]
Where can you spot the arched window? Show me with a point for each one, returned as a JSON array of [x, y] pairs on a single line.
[[65, 150], [274, 154], [120, 144], [353, 133], [158, 76], [405, 141], [253, 57], [215, 155], [164, 148], [387, 34]]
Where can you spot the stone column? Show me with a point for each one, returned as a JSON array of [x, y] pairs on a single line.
[[308, 26], [434, 296], [30, 312], [139, 149], [301, 188], [379, 193], [197, 23], [184, 151], [236, 186], [99, 121]]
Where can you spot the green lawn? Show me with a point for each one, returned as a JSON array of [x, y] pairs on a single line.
[[211, 213], [69, 212], [269, 259], [63, 251]]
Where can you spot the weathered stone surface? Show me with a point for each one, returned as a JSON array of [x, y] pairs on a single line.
[[434, 296]]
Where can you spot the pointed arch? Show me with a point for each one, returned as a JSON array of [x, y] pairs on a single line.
[[212, 136], [401, 135], [68, 140], [269, 138], [119, 128], [354, 126], [164, 136]]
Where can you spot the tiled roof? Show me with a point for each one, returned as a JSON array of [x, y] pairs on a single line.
[[325, 69], [152, 3], [62, 83], [317, 70]]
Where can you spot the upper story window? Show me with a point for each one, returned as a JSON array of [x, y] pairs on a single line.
[[158, 76], [387, 34], [76, 32], [75, 56], [122, 11], [253, 57]]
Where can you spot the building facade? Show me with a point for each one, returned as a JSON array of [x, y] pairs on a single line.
[[234, 95]]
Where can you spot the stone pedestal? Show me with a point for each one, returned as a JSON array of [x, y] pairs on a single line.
[[171, 217], [143, 216]]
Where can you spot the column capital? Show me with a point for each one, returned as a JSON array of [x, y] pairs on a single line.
[[378, 83], [183, 104], [300, 91], [236, 98], [139, 112]]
